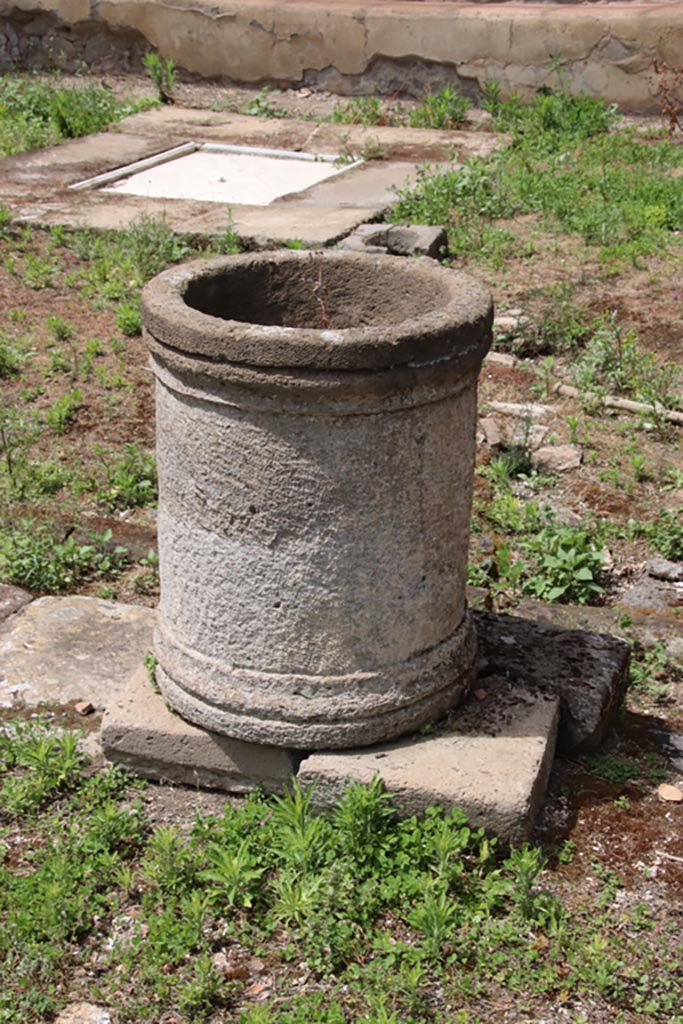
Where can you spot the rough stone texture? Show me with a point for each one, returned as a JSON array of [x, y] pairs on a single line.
[[652, 594], [315, 490], [587, 671], [671, 745], [142, 734], [556, 458], [607, 50], [398, 240], [495, 767], [12, 599], [61, 649], [83, 1013], [663, 569]]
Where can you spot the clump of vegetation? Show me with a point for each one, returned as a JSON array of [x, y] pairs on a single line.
[[664, 533], [35, 557], [613, 362], [163, 74], [564, 164], [262, 105], [35, 113], [381, 909], [653, 672], [444, 109], [130, 478], [367, 110]]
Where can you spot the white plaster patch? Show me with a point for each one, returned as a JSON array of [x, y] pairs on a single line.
[[247, 179]]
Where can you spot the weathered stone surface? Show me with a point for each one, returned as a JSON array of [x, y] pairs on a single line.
[[556, 458], [12, 599], [587, 671], [495, 767], [492, 434], [60, 649], [607, 50], [671, 745], [84, 1013], [313, 521], [663, 569], [654, 595], [397, 240], [142, 734]]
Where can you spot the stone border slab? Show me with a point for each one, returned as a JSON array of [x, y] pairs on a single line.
[[61, 649], [495, 767], [142, 734]]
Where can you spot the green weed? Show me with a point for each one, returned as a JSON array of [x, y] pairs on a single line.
[[568, 565], [445, 109], [664, 533], [130, 478], [34, 557], [35, 112], [129, 318], [63, 411], [163, 75], [10, 358], [262, 106], [613, 362], [564, 165]]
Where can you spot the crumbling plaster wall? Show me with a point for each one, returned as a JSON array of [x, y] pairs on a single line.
[[605, 49]]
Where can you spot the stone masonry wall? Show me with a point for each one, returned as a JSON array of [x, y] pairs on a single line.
[[348, 48]]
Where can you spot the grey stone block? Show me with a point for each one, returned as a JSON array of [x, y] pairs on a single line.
[[587, 671], [495, 767], [142, 734], [416, 240], [398, 240]]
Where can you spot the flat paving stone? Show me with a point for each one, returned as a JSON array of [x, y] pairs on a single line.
[[141, 733], [62, 649], [495, 767], [35, 186]]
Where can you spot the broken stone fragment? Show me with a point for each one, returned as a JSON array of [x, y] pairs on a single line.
[[663, 569], [557, 458], [398, 240], [11, 600]]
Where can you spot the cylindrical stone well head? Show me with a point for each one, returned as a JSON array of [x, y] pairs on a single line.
[[316, 421]]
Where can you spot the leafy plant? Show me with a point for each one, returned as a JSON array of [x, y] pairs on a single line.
[[568, 565], [163, 74], [129, 318], [664, 533], [261, 105], [614, 363], [366, 110], [32, 556], [63, 411], [445, 109], [36, 113], [131, 478], [10, 358]]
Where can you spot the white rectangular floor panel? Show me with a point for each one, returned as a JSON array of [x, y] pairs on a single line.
[[238, 178]]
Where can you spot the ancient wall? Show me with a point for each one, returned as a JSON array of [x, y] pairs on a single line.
[[604, 49]]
